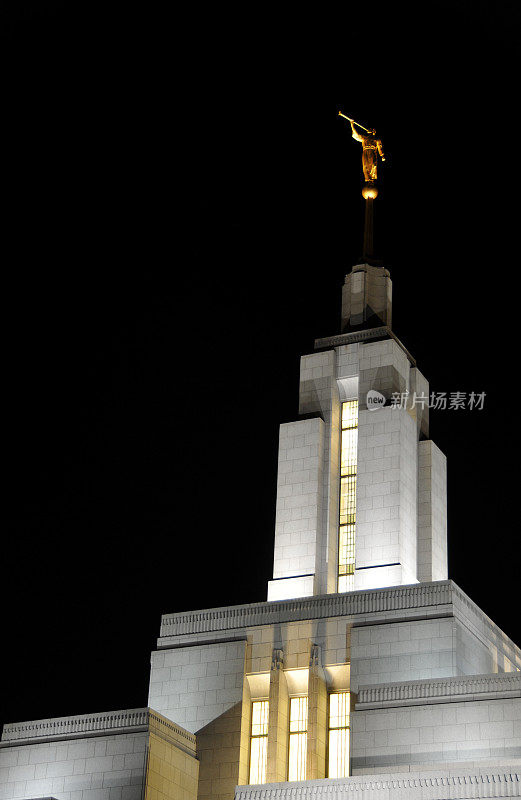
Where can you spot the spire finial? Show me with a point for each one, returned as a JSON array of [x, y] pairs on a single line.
[[371, 148]]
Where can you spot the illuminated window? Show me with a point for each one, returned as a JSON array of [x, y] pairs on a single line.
[[338, 737], [259, 741], [347, 516], [298, 738]]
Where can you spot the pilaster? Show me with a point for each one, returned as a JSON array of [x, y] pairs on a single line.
[[319, 394], [386, 499], [298, 522], [317, 718], [278, 721], [432, 513]]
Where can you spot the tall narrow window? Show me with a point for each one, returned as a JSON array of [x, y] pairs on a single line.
[[338, 736], [298, 738], [347, 517], [259, 741]]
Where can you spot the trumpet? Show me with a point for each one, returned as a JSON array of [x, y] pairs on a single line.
[[354, 122]]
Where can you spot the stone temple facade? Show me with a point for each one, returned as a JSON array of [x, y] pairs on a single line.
[[366, 675]]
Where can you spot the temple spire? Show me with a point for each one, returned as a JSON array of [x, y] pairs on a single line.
[[367, 291]]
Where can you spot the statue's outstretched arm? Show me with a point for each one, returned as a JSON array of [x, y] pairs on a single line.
[[356, 135]]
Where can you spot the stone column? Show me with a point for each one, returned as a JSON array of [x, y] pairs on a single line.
[[278, 722], [317, 718]]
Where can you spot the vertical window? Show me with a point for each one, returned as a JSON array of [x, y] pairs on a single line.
[[259, 741], [338, 735], [298, 738], [347, 517]]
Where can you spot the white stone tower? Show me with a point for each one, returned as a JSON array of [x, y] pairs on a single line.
[[361, 489]]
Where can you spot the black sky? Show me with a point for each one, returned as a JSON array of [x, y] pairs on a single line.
[[180, 204]]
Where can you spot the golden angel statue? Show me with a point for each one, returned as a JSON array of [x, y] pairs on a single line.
[[371, 146]]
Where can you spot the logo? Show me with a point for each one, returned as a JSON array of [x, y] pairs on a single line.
[[374, 400]]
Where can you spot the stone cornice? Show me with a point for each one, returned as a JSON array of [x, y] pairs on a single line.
[[106, 724], [470, 785], [390, 604], [173, 733], [439, 690], [351, 604], [361, 336], [351, 338]]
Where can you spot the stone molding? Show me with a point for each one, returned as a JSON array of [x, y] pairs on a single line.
[[173, 733], [439, 690], [361, 336], [87, 725], [350, 338], [80, 725], [414, 601], [368, 601], [461, 786]]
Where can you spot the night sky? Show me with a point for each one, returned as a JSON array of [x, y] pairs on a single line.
[[180, 204]]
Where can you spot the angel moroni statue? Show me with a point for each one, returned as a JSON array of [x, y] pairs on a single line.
[[372, 148]]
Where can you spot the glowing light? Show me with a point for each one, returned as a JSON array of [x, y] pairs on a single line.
[[298, 738], [338, 739], [347, 514], [259, 741], [369, 192]]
